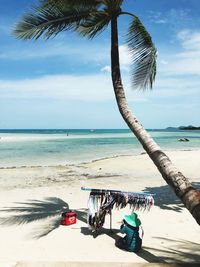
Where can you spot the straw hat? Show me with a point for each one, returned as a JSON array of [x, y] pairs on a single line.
[[132, 220]]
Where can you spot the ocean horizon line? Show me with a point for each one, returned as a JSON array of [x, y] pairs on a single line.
[[76, 129]]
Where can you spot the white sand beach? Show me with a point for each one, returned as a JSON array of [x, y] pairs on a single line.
[[33, 198]]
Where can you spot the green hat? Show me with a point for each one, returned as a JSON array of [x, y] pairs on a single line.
[[132, 220]]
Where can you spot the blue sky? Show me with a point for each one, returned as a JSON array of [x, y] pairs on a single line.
[[65, 82]]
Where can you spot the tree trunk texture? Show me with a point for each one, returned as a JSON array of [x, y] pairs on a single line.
[[182, 187]]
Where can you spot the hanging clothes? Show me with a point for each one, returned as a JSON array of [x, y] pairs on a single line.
[[101, 202]]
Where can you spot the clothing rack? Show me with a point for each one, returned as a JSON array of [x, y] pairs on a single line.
[[138, 196], [114, 191]]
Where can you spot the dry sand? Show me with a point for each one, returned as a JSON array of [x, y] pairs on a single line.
[[33, 198]]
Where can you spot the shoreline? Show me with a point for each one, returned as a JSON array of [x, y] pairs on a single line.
[[118, 168], [94, 160]]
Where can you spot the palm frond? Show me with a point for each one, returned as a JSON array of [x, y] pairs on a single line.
[[99, 20], [95, 24], [117, 3], [113, 4], [143, 54], [52, 17], [74, 3]]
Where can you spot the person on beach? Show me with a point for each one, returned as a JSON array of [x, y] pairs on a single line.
[[131, 226]]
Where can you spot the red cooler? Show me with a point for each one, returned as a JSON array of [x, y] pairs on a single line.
[[68, 218]]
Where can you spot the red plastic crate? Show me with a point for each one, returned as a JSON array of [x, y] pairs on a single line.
[[68, 218]]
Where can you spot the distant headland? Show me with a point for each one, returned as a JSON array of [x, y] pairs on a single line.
[[189, 127]]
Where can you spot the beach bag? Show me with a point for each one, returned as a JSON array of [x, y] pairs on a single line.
[[68, 218]]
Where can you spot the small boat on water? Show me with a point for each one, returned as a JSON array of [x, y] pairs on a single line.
[[183, 140]]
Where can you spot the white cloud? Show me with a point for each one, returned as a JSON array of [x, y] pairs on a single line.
[[190, 40], [106, 69], [161, 21], [99, 87], [175, 18], [85, 88], [180, 66], [125, 59], [99, 54], [89, 88], [125, 56], [32, 50], [175, 87], [185, 62], [164, 62]]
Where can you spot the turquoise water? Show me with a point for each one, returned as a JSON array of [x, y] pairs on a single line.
[[53, 147]]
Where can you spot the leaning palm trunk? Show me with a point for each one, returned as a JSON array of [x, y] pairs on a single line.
[[180, 184]]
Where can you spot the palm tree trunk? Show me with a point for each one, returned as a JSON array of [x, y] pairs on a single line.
[[182, 187]]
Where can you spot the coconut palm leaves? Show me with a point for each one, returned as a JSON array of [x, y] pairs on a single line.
[[95, 24], [89, 18], [143, 54], [53, 17]]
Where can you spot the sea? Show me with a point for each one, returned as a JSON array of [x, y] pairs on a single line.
[[51, 147]]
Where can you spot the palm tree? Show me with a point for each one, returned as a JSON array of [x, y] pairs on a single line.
[[89, 18]]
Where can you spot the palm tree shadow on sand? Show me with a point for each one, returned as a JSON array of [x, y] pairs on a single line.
[[165, 198], [48, 212], [176, 250], [179, 251]]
